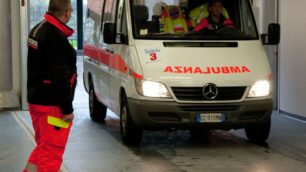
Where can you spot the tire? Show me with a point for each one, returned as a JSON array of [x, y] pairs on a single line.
[[130, 134], [259, 133], [97, 110]]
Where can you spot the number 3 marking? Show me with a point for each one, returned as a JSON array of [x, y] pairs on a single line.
[[153, 56]]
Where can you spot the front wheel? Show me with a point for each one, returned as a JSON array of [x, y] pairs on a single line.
[[97, 110], [259, 133], [130, 134]]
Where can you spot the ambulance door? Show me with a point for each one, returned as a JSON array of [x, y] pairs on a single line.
[[93, 49], [107, 52], [119, 59]]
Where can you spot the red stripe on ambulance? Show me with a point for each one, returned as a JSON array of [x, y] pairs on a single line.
[[114, 61]]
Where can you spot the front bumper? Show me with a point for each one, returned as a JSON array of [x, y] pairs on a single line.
[[168, 115]]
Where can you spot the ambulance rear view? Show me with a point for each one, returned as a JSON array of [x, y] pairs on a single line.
[[179, 64]]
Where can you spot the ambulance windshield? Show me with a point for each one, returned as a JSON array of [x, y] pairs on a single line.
[[193, 19]]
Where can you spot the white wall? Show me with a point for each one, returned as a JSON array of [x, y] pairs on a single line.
[[5, 47], [293, 57], [16, 60], [8, 96], [24, 25]]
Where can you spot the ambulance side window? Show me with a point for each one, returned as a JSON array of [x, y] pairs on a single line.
[[93, 21], [110, 11], [248, 25], [109, 16], [122, 21]]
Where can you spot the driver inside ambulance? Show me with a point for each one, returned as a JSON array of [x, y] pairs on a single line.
[[216, 19]]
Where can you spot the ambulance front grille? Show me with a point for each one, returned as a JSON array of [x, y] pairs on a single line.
[[211, 108], [196, 93]]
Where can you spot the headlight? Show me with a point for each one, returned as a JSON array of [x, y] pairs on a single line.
[[151, 89], [260, 89]]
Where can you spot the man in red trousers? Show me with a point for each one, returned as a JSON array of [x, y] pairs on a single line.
[[51, 85]]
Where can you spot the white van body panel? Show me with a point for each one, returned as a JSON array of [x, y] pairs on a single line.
[[215, 64]]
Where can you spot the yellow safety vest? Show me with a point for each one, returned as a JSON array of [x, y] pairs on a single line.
[[173, 25], [167, 24]]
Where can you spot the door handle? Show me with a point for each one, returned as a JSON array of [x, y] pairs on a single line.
[[110, 51], [93, 61]]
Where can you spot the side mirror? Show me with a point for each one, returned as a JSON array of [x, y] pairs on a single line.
[[109, 33], [273, 36], [274, 33], [111, 37]]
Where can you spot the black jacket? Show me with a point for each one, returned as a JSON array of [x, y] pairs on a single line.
[[51, 65]]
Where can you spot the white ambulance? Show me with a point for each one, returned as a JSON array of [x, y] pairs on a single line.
[[145, 61]]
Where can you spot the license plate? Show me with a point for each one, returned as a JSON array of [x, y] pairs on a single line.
[[210, 117]]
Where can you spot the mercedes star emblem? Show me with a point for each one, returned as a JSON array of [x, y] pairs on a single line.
[[210, 91]]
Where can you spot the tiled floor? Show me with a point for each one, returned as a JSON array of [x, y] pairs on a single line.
[[15, 145], [97, 147]]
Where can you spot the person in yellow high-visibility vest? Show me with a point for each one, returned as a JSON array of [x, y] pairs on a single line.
[[201, 12], [172, 21]]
